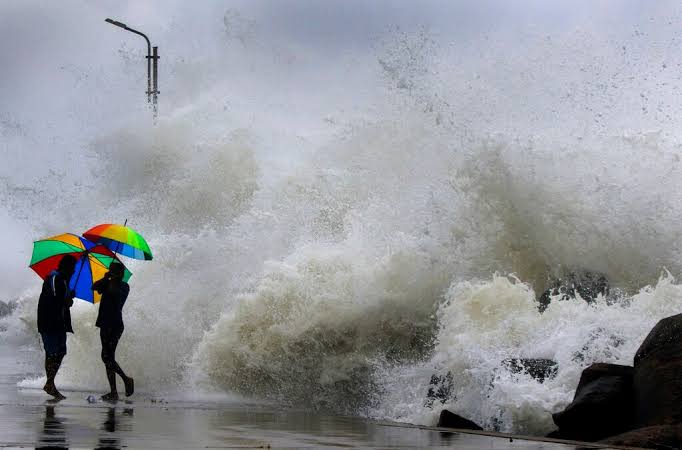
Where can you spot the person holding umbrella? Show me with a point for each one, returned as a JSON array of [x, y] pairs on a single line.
[[114, 293], [128, 242], [54, 319], [68, 265], [76, 267]]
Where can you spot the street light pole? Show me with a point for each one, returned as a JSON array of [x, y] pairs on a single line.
[[152, 60]]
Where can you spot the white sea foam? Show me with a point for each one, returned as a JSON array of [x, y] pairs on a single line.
[[483, 323]]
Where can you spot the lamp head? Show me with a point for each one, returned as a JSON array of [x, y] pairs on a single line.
[[118, 24]]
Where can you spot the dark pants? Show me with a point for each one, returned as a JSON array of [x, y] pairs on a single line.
[[55, 349], [54, 343], [110, 338]]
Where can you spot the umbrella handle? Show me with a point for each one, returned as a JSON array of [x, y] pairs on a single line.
[[85, 255]]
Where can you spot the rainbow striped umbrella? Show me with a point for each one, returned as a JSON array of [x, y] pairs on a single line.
[[120, 239], [48, 252]]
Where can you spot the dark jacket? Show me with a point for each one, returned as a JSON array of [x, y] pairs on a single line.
[[54, 315], [114, 295]]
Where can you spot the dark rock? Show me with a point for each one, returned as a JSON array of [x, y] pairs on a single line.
[[657, 379], [556, 434], [598, 370], [638, 406], [662, 335], [539, 368], [598, 335], [7, 308], [440, 389], [452, 420], [602, 406], [588, 284], [659, 437]]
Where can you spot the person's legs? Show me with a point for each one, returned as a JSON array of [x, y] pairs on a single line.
[[108, 359], [55, 349], [113, 392], [51, 367], [109, 338], [127, 381]]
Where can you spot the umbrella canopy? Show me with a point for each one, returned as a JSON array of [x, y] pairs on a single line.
[[92, 263], [120, 239]]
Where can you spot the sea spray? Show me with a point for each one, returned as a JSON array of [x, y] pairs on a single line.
[[481, 324], [317, 325]]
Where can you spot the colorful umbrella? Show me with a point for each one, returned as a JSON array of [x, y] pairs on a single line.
[[120, 239], [48, 252]]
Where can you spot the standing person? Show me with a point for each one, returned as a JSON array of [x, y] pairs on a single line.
[[110, 322], [54, 319]]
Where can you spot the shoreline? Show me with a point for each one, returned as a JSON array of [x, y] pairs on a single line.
[[29, 419], [146, 426]]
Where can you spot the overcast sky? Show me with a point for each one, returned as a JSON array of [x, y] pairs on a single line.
[[68, 40]]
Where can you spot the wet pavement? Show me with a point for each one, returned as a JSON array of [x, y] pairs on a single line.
[[29, 420]]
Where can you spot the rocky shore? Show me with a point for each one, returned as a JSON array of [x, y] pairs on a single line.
[[632, 406], [636, 406]]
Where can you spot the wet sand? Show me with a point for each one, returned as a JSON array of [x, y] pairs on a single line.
[[29, 420]]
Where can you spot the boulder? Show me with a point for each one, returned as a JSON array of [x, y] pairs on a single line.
[[452, 420], [657, 380], [664, 437], [7, 308], [556, 434], [598, 370], [637, 406], [587, 284], [602, 406], [596, 335], [539, 368], [440, 389]]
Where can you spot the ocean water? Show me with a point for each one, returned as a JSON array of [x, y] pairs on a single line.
[[336, 219]]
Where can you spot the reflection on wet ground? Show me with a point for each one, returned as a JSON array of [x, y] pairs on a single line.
[[27, 420], [53, 435], [175, 426], [114, 424]]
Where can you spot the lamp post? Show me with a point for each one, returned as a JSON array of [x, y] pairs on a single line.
[[152, 65]]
